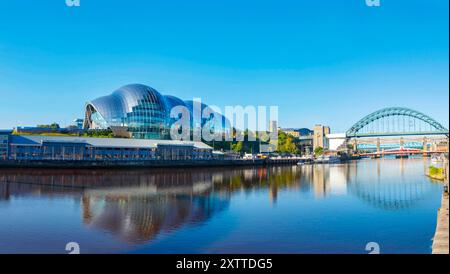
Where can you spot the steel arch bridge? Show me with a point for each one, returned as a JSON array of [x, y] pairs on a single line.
[[396, 121]]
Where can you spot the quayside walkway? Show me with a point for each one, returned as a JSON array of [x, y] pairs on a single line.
[[441, 241]]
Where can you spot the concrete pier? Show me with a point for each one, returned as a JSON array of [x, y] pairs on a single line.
[[143, 164], [440, 241]]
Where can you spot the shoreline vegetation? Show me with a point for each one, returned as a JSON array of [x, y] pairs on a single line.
[[436, 173], [52, 133]]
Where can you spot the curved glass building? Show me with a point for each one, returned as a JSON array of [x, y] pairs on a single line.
[[141, 109], [141, 112], [171, 102], [220, 123]]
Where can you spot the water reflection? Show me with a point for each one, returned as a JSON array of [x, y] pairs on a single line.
[[327, 179], [397, 187], [138, 219], [133, 205], [138, 205]]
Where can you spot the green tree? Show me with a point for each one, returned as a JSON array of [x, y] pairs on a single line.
[[103, 133], [287, 143], [51, 126], [290, 146], [238, 147], [318, 151]]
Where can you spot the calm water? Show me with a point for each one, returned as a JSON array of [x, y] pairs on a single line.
[[309, 209]]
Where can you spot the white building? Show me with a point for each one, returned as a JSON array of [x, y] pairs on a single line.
[[336, 140]]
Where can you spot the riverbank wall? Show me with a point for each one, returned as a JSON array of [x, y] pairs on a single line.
[[144, 164], [441, 237]]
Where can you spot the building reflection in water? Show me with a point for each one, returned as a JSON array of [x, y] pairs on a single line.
[[135, 206], [138, 205], [138, 219], [327, 179]]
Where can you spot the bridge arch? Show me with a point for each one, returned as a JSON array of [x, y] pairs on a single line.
[[357, 130]]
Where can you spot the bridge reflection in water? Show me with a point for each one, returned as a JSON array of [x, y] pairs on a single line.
[[392, 189], [138, 205]]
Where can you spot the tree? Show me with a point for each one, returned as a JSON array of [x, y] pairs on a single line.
[[238, 147], [51, 126], [102, 133], [290, 146], [318, 151], [287, 143]]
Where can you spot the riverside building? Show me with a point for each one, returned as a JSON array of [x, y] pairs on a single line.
[[140, 112], [4, 144], [45, 148]]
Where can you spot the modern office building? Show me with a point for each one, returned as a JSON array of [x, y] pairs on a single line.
[[320, 136], [142, 112], [33, 148]]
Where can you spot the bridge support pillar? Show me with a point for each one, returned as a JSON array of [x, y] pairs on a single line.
[[402, 142], [434, 147], [378, 145], [425, 147], [355, 145]]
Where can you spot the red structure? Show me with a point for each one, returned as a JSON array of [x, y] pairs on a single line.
[[398, 151]]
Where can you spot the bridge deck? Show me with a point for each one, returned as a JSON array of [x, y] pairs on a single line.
[[397, 134]]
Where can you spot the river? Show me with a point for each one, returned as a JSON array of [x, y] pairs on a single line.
[[336, 208]]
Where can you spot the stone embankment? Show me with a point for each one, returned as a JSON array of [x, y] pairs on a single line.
[[440, 240], [145, 164]]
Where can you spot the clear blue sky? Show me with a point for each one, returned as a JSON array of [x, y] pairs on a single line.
[[320, 61]]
